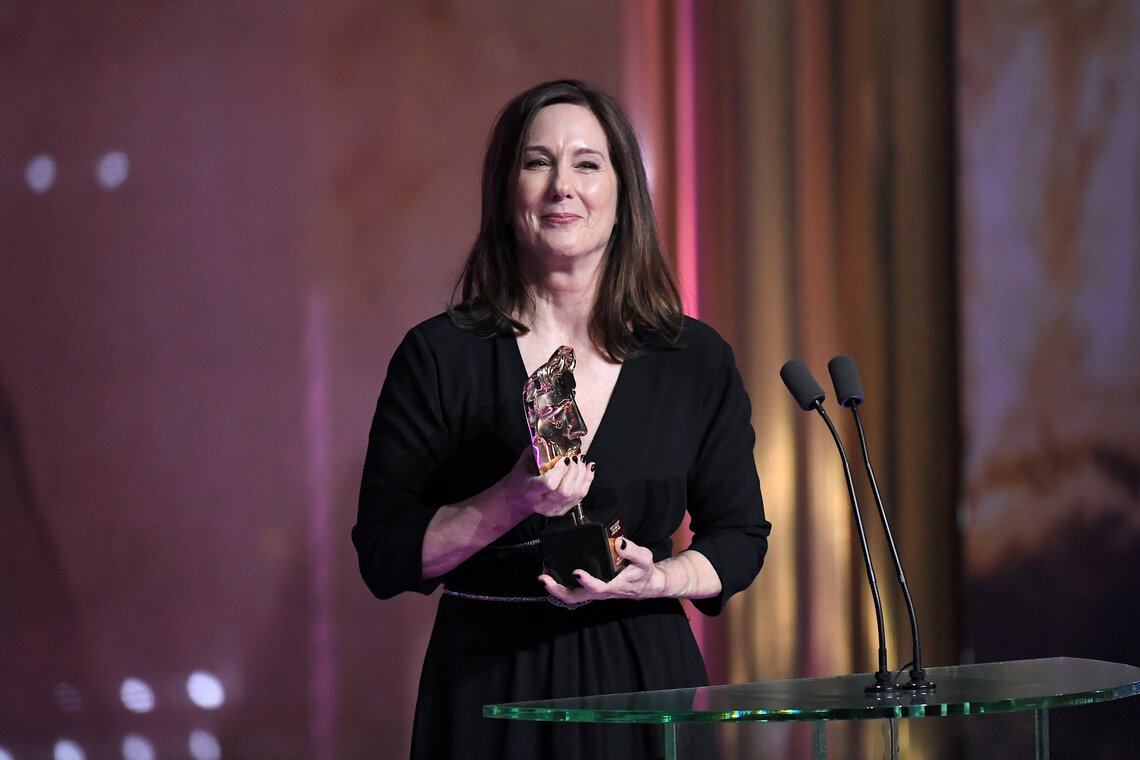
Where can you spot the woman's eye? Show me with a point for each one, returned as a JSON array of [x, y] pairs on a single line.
[[535, 163], [591, 165]]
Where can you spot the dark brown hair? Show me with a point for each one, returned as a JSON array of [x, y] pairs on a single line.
[[637, 297]]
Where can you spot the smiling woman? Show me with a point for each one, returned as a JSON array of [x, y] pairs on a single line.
[[566, 200], [568, 255], [636, 293]]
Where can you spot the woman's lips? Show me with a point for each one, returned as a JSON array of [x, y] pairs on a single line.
[[560, 218]]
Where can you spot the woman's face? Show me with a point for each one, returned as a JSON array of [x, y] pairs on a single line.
[[565, 205]]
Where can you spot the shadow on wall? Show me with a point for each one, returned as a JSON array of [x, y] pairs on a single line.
[[1059, 604], [45, 691]]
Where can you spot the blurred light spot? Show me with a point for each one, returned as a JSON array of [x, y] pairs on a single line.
[[137, 696], [203, 746], [40, 174], [205, 690], [137, 748], [112, 169], [68, 698], [5, 754], [65, 749]]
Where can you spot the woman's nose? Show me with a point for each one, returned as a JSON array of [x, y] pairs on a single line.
[[561, 183]]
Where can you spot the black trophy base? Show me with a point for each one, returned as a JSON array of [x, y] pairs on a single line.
[[590, 547]]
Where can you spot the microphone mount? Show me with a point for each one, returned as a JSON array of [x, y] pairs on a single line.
[[918, 682], [849, 392], [883, 684], [810, 396]]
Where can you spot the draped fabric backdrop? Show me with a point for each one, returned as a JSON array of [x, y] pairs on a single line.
[[217, 221], [811, 181]]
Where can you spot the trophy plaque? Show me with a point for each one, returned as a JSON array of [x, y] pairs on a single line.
[[556, 429]]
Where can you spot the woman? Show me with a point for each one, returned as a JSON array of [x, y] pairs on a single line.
[[567, 254]]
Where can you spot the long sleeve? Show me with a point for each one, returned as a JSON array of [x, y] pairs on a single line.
[[406, 443], [449, 424], [725, 504]]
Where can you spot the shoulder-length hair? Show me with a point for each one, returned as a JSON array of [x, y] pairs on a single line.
[[637, 297]]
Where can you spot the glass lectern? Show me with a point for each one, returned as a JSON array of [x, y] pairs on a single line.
[[1021, 685]]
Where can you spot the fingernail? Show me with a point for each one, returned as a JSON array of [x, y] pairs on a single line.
[[623, 544], [592, 466], [567, 461], [575, 459]]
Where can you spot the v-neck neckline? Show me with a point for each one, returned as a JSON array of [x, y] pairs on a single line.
[[619, 383]]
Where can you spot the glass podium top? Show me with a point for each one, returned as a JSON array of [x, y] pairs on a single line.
[[961, 690]]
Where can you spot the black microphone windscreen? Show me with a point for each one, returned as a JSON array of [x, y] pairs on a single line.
[[845, 380], [803, 386]]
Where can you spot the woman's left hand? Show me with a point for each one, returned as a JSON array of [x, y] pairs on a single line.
[[639, 579]]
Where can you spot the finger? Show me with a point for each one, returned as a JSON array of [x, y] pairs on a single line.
[[558, 591], [552, 586], [578, 478], [590, 584], [557, 472], [571, 488], [637, 555]]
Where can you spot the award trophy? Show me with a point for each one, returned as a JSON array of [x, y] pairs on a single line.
[[556, 429]]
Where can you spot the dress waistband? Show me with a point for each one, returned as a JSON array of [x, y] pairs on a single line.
[[523, 545], [490, 598]]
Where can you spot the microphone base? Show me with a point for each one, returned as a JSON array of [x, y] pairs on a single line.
[[882, 687], [919, 684]]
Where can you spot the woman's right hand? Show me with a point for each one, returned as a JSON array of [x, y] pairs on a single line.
[[457, 531], [553, 493]]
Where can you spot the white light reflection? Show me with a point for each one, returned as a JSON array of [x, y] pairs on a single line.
[[68, 698], [112, 169], [65, 749], [203, 746], [137, 748], [205, 690], [40, 173], [137, 696], [5, 754]]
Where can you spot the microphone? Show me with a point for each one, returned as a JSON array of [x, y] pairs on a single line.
[[803, 386], [809, 395], [849, 392]]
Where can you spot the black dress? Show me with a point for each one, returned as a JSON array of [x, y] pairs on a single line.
[[675, 437]]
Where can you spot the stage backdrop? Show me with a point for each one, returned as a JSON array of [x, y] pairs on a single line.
[[1050, 290], [218, 220]]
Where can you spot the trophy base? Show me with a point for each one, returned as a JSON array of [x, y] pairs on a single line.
[[591, 547]]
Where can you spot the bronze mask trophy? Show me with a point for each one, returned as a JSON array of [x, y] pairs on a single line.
[[556, 431]]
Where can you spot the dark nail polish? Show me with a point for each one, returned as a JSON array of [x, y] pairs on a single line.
[[592, 466], [567, 461], [623, 544]]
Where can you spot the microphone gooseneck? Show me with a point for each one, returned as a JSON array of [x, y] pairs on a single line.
[[810, 395], [849, 391]]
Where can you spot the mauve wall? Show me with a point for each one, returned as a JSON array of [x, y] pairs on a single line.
[[191, 350]]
